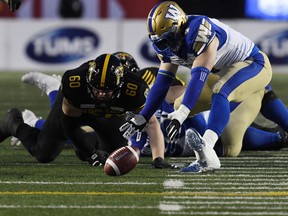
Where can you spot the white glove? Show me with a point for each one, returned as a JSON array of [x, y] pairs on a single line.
[[135, 125], [180, 114]]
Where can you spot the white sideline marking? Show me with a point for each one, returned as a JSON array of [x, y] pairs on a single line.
[[77, 183]]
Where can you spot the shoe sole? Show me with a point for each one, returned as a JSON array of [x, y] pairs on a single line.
[[194, 140]]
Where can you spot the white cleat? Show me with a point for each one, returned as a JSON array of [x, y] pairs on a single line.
[[29, 118], [207, 159], [46, 83]]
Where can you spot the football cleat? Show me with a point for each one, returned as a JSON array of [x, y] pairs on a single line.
[[194, 167], [45, 82], [207, 159], [10, 123], [29, 118]]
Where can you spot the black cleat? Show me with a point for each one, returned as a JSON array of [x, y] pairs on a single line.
[[10, 123], [284, 137]]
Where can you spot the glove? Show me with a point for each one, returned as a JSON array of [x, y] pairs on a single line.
[[160, 163], [14, 4], [173, 129], [135, 125], [129, 115], [98, 158], [177, 117]]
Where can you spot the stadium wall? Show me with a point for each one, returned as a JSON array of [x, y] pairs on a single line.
[[58, 45]]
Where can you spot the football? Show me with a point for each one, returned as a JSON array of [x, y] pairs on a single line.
[[122, 161]]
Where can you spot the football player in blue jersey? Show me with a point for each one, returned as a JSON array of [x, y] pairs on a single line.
[[256, 137], [202, 44]]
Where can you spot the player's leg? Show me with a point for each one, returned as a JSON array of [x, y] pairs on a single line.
[[47, 83], [274, 109], [240, 120]]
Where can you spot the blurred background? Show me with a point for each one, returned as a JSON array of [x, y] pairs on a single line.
[[56, 35]]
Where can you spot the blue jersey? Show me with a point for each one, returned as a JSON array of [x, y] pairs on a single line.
[[200, 31]]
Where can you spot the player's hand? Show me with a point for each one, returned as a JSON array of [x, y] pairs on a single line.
[[135, 125], [14, 4], [160, 163], [98, 158], [173, 129], [177, 118]]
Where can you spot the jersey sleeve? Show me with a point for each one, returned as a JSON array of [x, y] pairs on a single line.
[[201, 33]]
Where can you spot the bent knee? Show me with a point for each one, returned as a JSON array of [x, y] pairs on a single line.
[[45, 159], [231, 152]]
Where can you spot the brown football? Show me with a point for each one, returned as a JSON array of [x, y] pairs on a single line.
[[122, 161]]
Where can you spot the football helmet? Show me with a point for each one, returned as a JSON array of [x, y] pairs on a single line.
[[105, 78], [165, 23], [127, 60]]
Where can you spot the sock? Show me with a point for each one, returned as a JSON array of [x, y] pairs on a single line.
[[52, 97], [218, 118], [277, 112], [39, 123], [210, 137], [255, 139]]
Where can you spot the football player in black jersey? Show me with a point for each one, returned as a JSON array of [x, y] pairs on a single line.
[[95, 94]]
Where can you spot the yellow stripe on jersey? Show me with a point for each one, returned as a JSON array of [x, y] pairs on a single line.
[[104, 70], [148, 77]]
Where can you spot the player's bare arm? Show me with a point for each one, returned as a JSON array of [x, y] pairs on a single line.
[[70, 110]]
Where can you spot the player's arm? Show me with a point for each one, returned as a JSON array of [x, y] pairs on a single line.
[[156, 138], [71, 122], [157, 94], [199, 73], [13, 4]]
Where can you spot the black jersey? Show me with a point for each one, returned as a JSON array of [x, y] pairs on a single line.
[[132, 97]]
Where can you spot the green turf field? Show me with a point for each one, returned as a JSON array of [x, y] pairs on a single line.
[[255, 183]]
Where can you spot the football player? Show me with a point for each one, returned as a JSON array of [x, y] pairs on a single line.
[[96, 94], [13, 4], [255, 138], [202, 44], [50, 85]]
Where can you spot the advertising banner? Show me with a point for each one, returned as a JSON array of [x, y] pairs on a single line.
[[58, 45]]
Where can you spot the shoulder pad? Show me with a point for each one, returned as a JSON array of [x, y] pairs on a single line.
[[204, 36], [148, 74]]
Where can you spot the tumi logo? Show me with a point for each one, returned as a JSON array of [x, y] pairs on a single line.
[[275, 46], [62, 45]]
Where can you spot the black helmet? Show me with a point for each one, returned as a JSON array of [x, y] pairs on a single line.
[[127, 60], [105, 77]]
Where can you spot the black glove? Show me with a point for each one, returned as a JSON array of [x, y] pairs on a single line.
[[173, 129], [160, 163], [14, 4], [98, 158]]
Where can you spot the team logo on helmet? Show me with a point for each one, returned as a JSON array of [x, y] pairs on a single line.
[[164, 25]]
